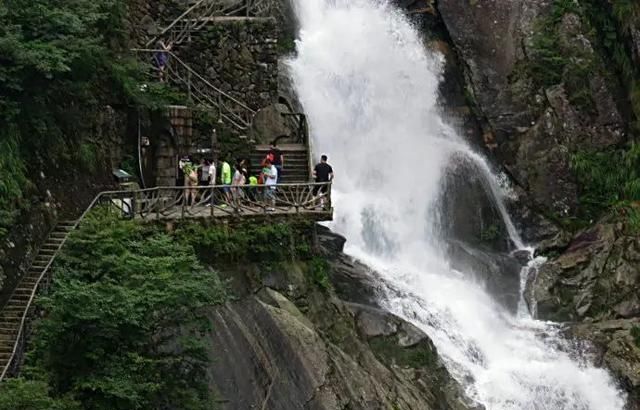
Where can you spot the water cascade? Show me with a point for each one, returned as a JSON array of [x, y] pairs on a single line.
[[370, 88]]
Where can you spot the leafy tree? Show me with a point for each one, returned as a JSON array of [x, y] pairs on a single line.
[[60, 62], [125, 321], [21, 394]]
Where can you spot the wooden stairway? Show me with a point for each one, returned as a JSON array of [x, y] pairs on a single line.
[[296, 162], [12, 314]]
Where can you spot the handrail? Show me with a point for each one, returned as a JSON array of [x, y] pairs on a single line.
[[225, 10], [37, 286], [293, 197], [178, 19], [240, 114]]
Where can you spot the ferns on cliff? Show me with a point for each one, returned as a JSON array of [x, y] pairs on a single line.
[[627, 12], [607, 179]]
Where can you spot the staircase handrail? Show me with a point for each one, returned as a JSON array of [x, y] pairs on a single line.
[[176, 21], [229, 10], [39, 281], [120, 194], [221, 95]]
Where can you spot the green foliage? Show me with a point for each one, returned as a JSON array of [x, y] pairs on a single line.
[[12, 183], [286, 45], [553, 63], [635, 333], [319, 272], [87, 157], [613, 21], [250, 242], [607, 179], [490, 233], [627, 12], [60, 63], [124, 320], [21, 394], [228, 142]]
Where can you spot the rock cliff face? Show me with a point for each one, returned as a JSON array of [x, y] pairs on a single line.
[[293, 342], [595, 285], [541, 88]]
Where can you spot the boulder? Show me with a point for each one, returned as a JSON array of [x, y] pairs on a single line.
[[597, 277], [616, 345], [269, 123]]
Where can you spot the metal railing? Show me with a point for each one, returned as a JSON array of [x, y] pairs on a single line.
[[177, 203], [298, 123], [177, 73], [200, 13], [221, 201]]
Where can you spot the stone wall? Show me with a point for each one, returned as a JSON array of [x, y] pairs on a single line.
[[238, 56]]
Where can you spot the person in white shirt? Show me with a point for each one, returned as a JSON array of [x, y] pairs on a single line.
[[270, 180], [237, 183]]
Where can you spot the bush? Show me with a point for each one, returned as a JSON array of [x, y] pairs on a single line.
[[60, 63], [12, 183], [607, 179], [124, 320], [250, 242], [21, 394], [553, 64]]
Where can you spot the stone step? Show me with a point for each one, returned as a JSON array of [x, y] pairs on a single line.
[[22, 290], [50, 246], [259, 156], [8, 348]]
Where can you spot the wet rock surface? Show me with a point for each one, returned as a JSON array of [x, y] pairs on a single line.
[[616, 345], [595, 283], [286, 344], [597, 277], [533, 125]]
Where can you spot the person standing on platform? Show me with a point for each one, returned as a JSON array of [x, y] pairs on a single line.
[[277, 159], [225, 179], [270, 176], [323, 173]]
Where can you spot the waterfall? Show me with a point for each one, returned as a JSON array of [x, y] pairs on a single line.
[[369, 88]]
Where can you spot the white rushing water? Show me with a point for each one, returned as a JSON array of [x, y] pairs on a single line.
[[369, 87]]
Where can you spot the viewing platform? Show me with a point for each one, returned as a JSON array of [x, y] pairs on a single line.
[[309, 200]]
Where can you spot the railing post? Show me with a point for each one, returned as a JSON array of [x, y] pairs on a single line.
[[189, 94], [212, 200], [183, 198]]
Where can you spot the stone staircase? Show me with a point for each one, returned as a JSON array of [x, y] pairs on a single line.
[[296, 162], [13, 312], [197, 87]]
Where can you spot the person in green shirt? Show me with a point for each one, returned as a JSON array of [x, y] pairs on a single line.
[[225, 179]]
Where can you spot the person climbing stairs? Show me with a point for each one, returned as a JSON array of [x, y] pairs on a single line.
[[296, 162]]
